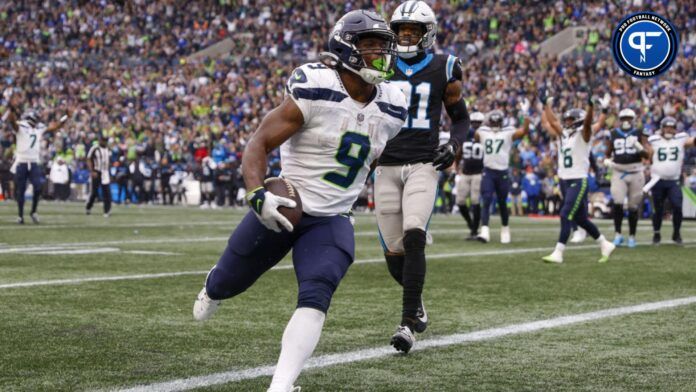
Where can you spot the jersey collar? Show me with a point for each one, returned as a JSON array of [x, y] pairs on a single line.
[[410, 70]]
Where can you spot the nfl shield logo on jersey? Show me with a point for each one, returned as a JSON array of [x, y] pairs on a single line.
[[645, 44]]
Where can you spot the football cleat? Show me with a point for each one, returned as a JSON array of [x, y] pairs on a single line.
[[88, 211], [20, 220], [505, 235], [676, 237], [204, 307], [35, 218], [606, 248], [403, 339], [484, 235], [631, 242], [106, 215], [471, 237], [555, 257], [422, 316], [578, 236], [656, 239], [618, 240]]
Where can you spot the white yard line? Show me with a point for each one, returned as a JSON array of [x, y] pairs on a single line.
[[435, 256], [88, 251], [443, 341]]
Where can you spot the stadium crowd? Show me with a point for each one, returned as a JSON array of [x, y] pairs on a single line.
[[125, 68]]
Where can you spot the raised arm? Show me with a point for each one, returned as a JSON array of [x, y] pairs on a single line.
[[524, 130], [587, 123], [547, 116], [56, 125]]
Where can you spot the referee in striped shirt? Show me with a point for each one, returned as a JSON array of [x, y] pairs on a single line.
[[98, 163]]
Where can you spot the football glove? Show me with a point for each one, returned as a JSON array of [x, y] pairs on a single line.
[[543, 96], [265, 205], [444, 155]]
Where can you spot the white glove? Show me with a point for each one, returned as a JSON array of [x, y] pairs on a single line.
[[265, 205], [604, 101], [608, 162], [525, 105]]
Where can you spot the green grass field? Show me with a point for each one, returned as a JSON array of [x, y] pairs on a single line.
[[61, 333]]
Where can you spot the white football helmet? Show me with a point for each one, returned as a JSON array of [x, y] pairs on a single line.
[[626, 116], [417, 12], [477, 117]]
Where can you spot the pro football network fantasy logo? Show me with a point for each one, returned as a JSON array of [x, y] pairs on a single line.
[[645, 44]]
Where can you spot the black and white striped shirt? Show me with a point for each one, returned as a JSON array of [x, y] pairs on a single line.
[[100, 157]]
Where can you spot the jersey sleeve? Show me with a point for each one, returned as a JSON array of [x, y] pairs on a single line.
[[453, 69], [509, 132], [652, 139], [297, 88]]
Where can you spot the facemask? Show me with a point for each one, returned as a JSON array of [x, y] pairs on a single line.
[[626, 125], [407, 52]]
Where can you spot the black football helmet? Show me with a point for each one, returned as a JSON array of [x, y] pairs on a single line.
[[343, 52], [495, 119], [31, 117], [573, 118]]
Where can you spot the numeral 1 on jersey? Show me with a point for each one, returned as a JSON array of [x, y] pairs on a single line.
[[418, 96]]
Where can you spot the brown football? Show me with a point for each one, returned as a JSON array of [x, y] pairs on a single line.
[[280, 187]]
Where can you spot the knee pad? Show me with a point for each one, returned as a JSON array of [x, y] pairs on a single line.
[[414, 240], [315, 293]]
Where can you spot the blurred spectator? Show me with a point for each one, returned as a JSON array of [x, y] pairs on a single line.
[[60, 177]]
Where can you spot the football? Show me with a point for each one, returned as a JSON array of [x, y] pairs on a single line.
[[281, 187]]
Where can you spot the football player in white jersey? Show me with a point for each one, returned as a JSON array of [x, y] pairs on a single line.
[[27, 165], [497, 143], [667, 151], [574, 138], [334, 122]]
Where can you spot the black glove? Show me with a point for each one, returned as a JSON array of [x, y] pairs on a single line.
[[542, 95], [444, 155], [590, 101]]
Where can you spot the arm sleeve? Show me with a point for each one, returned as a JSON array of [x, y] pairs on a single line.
[[460, 121]]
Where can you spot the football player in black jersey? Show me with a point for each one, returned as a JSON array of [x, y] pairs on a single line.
[[406, 176], [469, 183], [627, 178]]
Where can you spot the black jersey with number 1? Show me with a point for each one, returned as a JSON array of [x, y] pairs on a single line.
[[424, 84]]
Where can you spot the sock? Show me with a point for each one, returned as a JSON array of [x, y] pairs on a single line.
[[464, 210], [560, 247], [618, 214], [299, 340], [395, 264], [600, 240], [413, 275], [632, 222], [35, 201], [476, 209]]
